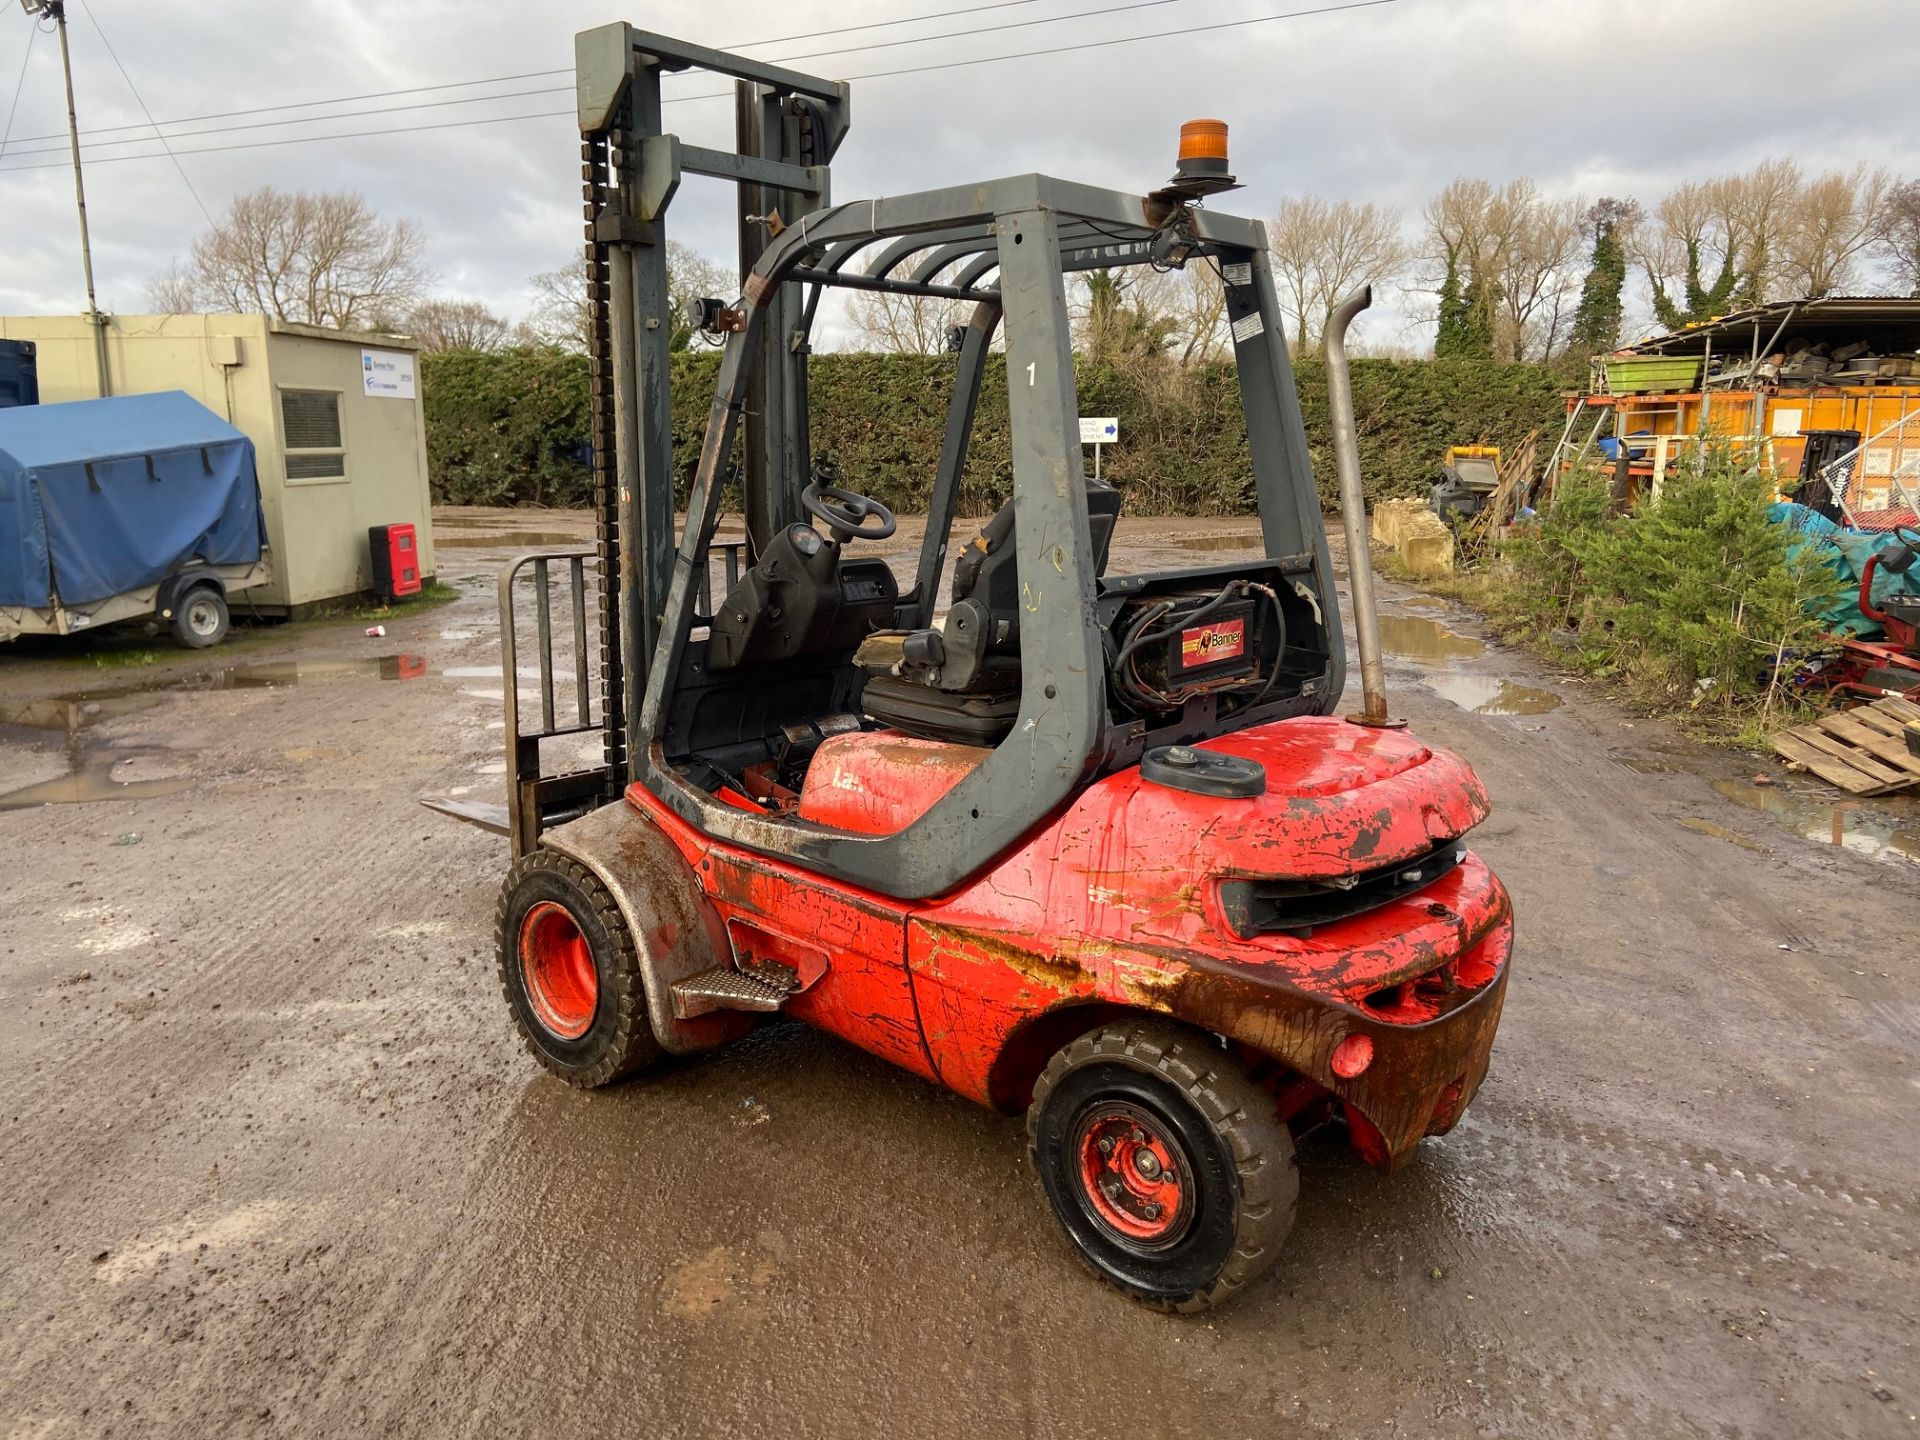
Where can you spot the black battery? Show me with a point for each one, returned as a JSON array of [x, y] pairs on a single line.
[[1200, 649]]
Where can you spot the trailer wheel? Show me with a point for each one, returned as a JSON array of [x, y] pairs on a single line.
[[570, 972], [200, 617], [1164, 1162]]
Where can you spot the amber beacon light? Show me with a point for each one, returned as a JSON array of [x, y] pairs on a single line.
[[1201, 169], [1203, 148]]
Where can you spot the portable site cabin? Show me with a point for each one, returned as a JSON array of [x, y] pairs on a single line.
[[1804, 384], [334, 416]]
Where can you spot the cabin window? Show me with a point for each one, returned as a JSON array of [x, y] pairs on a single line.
[[310, 429]]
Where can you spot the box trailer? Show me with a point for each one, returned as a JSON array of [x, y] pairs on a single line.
[[334, 416], [118, 509]]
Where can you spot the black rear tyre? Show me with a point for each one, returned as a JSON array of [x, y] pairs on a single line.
[[1164, 1163], [570, 972], [200, 617]]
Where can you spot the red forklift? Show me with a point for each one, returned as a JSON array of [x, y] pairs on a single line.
[[1091, 846]]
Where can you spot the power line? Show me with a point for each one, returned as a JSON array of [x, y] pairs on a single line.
[[568, 89], [301, 119], [178, 167], [337, 100], [727, 94], [18, 86], [306, 139], [982, 30], [1126, 39], [523, 75]]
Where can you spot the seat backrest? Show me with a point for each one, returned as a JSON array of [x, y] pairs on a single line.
[[988, 569], [878, 782]]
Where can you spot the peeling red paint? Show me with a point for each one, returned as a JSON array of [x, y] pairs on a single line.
[[1115, 906]]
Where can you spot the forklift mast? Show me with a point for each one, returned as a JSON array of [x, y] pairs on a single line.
[[696, 685], [787, 126]]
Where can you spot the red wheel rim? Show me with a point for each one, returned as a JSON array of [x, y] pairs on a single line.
[[556, 964], [1135, 1180]]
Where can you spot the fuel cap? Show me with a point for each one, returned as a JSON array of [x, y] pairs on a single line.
[[1203, 772]]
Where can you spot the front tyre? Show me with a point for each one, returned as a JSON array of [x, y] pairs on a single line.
[[570, 972], [1164, 1163]]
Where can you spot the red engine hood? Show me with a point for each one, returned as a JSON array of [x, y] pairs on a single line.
[[1340, 799]]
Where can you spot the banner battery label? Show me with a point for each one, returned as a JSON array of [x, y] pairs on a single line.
[[1207, 644]]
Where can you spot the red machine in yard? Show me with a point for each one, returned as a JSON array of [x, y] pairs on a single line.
[[1891, 665], [1087, 845]]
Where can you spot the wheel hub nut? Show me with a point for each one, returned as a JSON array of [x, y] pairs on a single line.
[[1147, 1163]]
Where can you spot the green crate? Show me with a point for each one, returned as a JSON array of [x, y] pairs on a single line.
[[1639, 374]]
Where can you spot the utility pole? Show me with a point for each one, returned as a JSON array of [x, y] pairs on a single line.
[[58, 10]]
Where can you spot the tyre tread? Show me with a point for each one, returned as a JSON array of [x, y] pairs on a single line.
[[1239, 1110], [632, 1046]]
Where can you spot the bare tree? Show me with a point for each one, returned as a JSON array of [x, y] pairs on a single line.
[[1537, 251], [1323, 250], [171, 291], [1461, 268], [1723, 244], [1687, 254], [1505, 263], [560, 317], [443, 324], [1899, 242], [1196, 297], [315, 259], [904, 324], [1757, 212], [1835, 220]]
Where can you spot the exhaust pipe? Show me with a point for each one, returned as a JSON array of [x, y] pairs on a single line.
[[1353, 513]]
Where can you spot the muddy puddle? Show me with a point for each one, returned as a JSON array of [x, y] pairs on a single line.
[[1882, 829], [1721, 832], [124, 699], [94, 771], [510, 540], [1220, 542], [94, 779], [1489, 695], [309, 672], [1415, 637], [1427, 642], [99, 770], [495, 672], [1650, 765]]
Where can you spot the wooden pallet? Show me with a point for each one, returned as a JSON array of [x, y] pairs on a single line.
[[1863, 750]]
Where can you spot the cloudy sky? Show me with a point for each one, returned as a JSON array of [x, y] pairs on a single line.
[[1384, 102]]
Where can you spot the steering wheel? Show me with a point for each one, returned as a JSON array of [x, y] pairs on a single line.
[[1908, 536], [842, 511]]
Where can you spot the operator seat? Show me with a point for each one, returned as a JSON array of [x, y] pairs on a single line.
[[961, 683]]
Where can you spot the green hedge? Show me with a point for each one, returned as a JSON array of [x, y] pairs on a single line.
[[508, 428]]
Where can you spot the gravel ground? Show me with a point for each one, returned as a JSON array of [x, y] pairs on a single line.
[[273, 1162]]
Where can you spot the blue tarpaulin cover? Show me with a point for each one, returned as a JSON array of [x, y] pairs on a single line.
[[99, 497], [1845, 552]]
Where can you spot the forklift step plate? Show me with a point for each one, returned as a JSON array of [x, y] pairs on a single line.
[[724, 988]]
